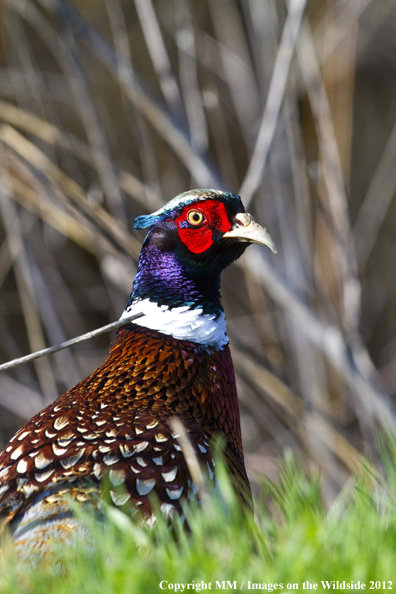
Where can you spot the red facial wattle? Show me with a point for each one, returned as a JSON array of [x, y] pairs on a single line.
[[199, 238]]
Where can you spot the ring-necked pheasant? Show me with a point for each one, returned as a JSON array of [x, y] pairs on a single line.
[[173, 361]]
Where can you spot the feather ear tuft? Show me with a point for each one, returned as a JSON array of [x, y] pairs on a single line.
[[144, 221]]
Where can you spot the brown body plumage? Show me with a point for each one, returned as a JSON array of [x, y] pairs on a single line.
[[116, 422]]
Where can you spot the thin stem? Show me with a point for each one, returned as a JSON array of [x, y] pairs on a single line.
[[69, 343]]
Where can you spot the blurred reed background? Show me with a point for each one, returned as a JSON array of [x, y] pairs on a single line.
[[109, 108]]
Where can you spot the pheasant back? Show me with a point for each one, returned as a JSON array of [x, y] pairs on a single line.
[[115, 423]]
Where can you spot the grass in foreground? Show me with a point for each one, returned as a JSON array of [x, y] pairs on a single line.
[[293, 540]]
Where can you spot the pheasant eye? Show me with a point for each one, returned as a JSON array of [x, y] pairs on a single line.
[[195, 217]]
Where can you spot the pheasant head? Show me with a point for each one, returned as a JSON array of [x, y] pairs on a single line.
[[191, 240]]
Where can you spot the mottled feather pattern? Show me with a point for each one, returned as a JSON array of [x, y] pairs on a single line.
[[47, 518], [115, 423]]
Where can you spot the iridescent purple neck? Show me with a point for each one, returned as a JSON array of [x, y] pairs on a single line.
[[163, 279]]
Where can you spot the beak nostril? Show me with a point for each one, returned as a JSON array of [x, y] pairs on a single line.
[[242, 219]]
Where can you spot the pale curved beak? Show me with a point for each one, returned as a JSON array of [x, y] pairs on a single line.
[[246, 229]]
